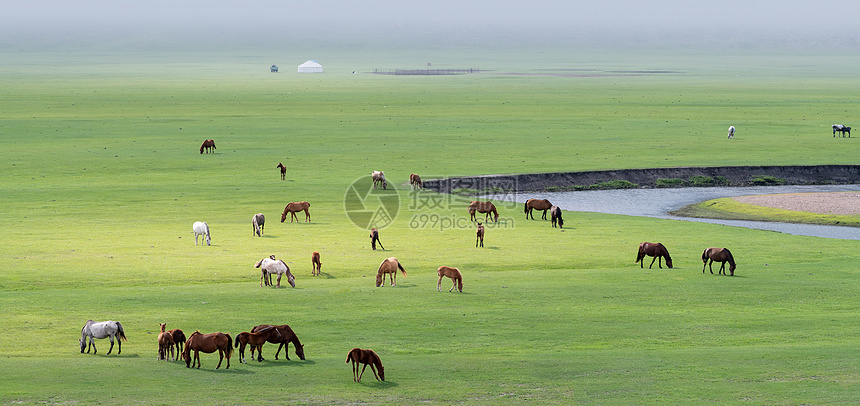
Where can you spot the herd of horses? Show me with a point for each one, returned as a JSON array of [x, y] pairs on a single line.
[[709, 256], [841, 129]]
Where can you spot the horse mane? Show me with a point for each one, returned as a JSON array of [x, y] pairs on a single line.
[[730, 258]]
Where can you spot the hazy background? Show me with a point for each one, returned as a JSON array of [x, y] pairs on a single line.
[[43, 25]]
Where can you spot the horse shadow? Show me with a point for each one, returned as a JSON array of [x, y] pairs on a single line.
[[379, 384], [324, 275], [270, 363]]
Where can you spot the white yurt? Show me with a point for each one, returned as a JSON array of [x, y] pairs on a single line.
[[310, 67]]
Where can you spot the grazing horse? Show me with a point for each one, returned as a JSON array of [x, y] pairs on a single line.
[[165, 344], [536, 204], [208, 343], [366, 357], [209, 146], [178, 340], [656, 250], [722, 255], [483, 207], [479, 235], [415, 181], [255, 340], [731, 131], [452, 273], [283, 170], [379, 179], [389, 266], [842, 129], [271, 265], [295, 207], [201, 228], [316, 264], [285, 337], [374, 238], [258, 222], [555, 216], [101, 329]]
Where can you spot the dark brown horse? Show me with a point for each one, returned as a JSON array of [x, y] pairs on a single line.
[[374, 239], [208, 343], [656, 250], [722, 255], [536, 204], [295, 207], [415, 181], [256, 341], [483, 207], [284, 337], [178, 340], [452, 273], [165, 344], [209, 146], [283, 170], [555, 216], [366, 357], [479, 235], [389, 266], [316, 264]]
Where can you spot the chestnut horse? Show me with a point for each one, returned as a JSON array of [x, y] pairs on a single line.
[[258, 222], [209, 146], [316, 264], [555, 216], [415, 181], [366, 357], [536, 204], [283, 170], [208, 343], [479, 235], [255, 340], [295, 207], [389, 266], [452, 273], [656, 250], [165, 344], [271, 265], [178, 340], [285, 337], [379, 179], [483, 207], [374, 238], [722, 255]]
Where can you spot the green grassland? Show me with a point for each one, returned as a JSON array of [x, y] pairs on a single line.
[[730, 209], [102, 180]]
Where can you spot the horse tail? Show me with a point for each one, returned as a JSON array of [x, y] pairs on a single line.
[[349, 355], [705, 255], [640, 254], [403, 271], [526, 207], [229, 352], [120, 332]]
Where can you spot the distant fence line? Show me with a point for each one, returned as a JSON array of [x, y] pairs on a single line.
[[425, 71]]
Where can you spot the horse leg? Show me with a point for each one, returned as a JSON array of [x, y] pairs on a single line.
[[279, 280], [439, 283], [453, 286], [652, 262], [711, 266], [354, 371], [220, 357], [279, 351], [93, 345], [196, 359], [111, 345], [374, 372], [307, 216], [543, 217], [362, 372]]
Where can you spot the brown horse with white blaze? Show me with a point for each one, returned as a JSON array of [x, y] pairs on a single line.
[[536, 204], [208, 146], [389, 266], [208, 343], [452, 273], [656, 250], [722, 255], [295, 207], [483, 207], [366, 357]]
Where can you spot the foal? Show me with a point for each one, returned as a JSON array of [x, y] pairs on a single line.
[[374, 238], [255, 340], [480, 235], [283, 170], [165, 344], [315, 262], [366, 357], [452, 273]]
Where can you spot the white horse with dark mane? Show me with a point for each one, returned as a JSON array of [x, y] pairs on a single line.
[[842, 129], [731, 131], [271, 266], [201, 228], [258, 221], [101, 329], [379, 179]]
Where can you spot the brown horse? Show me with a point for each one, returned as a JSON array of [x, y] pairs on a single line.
[[256, 341], [536, 204], [452, 273], [178, 340], [209, 146], [295, 207], [483, 207], [389, 266], [415, 181], [656, 250], [555, 216], [374, 239], [366, 357], [479, 235], [722, 255], [379, 179], [258, 222], [284, 338], [208, 343], [316, 264], [283, 170], [165, 344]]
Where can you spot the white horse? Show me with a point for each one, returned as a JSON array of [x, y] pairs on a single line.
[[201, 228], [258, 221], [379, 179], [270, 266], [101, 329], [731, 131]]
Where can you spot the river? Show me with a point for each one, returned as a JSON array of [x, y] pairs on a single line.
[[658, 202]]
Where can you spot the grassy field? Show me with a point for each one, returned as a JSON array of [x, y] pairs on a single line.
[[102, 180], [729, 209]]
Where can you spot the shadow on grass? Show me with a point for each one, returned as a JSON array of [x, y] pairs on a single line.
[[280, 363], [378, 384]]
